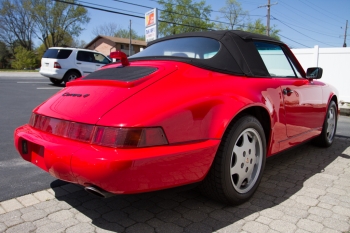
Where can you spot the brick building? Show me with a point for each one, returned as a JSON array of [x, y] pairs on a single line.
[[107, 44]]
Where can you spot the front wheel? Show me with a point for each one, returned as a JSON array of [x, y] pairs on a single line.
[[239, 163], [326, 138]]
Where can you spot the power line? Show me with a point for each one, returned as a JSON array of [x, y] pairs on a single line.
[[134, 4], [110, 7], [306, 14], [325, 11], [136, 16], [310, 30], [293, 40], [157, 1], [186, 25], [297, 24], [302, 33], [172, 12]]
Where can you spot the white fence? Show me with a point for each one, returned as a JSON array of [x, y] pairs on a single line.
[[335, 63]]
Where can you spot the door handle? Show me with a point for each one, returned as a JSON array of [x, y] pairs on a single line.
[[287, 91], [78, 63]]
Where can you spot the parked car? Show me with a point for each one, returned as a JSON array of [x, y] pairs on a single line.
[[202, 108], [62, 64]]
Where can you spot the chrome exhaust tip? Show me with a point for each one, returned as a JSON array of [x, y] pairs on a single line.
[[98, 191]]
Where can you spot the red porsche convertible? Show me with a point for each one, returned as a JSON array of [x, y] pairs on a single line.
[[201, 107]]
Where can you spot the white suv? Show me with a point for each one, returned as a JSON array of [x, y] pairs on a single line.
[[65, 64]]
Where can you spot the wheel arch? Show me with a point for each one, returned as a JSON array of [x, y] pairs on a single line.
[[335, 99], [73, 69], [261, 114], [330, 99]]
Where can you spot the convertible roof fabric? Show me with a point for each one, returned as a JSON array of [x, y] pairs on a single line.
[[237, 55]]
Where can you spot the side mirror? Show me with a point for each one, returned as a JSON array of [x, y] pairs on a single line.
[[314, 73]]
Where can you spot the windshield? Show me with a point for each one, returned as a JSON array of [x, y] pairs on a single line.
[[191, 47]]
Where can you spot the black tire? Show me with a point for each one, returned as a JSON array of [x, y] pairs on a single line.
[[326, 138], [239, 163], [70, 76], [56, 81]]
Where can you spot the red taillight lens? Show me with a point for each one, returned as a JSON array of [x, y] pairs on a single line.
[[57, 65], [80, 132], [129, 137], [100, 135], [67, 129]]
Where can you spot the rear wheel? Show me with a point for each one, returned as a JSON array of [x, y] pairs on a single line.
[[56, 81], [70, 76], [239, 163], [326, 138]]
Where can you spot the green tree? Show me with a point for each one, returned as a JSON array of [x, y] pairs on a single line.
[[260, 28], [4, 55], [66, 41], [16, 25], [24, 59], [184, 16], [56, 19], [233, 14], [3, 50], [125, 33]]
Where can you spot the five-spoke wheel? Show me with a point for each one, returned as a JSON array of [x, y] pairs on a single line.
[[325, 139], [239, 163], [246, 160]]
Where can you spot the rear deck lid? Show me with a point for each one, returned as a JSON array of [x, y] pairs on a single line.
[[87, 99]]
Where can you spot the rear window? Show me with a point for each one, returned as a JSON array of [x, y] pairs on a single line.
[[191, 47], [57, 53]]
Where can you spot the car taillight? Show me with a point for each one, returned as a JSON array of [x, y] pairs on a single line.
[[129, 137], [80, 132], [100, 135], [67, 129], [57, 65]]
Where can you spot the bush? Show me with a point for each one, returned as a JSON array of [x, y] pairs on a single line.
[[24, 59]]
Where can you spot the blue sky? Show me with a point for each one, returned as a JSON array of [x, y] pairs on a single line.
[[303, 23]]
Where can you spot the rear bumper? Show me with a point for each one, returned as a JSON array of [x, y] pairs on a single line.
[[53, 73], [116, 170]]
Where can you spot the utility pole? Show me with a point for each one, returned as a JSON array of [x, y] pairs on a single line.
[[346, 29], [130, 39], [268, 15]]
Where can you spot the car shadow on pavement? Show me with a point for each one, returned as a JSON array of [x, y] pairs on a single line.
[[292, 181], [57, 85]]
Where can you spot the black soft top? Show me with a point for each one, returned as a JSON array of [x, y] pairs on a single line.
[[237, 55], [218, 35]]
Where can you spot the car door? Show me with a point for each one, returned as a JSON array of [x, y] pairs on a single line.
[[86, 62], [302, 98], [100, 60]]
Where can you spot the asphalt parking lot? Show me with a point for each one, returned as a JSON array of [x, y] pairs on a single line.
[[306, 189]]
